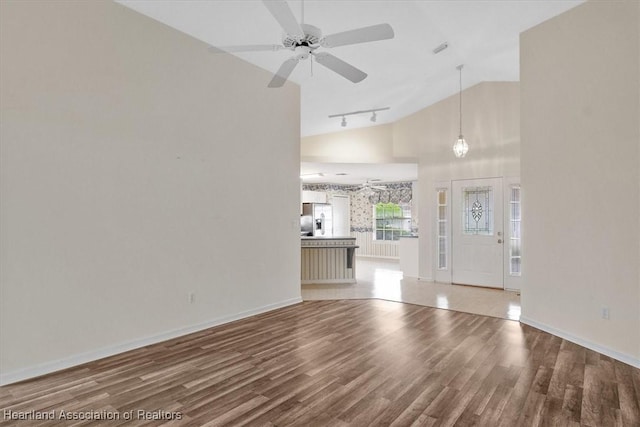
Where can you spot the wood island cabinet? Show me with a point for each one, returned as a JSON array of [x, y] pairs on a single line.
[[328, 260]]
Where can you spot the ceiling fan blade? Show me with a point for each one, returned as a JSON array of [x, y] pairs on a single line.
[[360, 35], [283, 14], [283, 73], [246, 48], [346, 70]]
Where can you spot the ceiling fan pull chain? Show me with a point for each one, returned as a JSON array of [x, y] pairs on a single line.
[[311, 62]]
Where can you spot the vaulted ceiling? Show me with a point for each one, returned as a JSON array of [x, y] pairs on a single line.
[[403, 73]]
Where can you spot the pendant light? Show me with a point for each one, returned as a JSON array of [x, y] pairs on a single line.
[[460, 147]]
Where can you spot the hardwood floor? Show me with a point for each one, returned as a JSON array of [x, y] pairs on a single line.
[[350, 362]]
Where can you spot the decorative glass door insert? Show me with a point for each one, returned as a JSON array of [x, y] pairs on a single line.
[[477, 215]]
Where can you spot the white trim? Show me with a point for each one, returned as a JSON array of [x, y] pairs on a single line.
[[625, 358], [90, 356], [388, 258], [328, 281]]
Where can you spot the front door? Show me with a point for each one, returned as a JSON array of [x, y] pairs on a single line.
[[477, 232]]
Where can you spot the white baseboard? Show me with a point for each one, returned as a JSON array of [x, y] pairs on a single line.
[[328, 282], [386, 258], [90, 356], [622, 357]]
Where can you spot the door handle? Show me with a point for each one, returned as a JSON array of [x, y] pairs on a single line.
[[499, 240]]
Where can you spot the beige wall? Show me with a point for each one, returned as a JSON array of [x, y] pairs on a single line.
[[132, 165], [491, 126], [376, 144], [581, 176]]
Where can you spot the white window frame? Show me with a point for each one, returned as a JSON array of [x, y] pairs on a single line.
[[442, 229], [441, 274], [405, 207], [512, 281]]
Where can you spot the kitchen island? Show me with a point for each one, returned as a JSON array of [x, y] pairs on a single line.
[[328, 260]]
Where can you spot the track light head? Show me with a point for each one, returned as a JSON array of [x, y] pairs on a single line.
[[373, 111]]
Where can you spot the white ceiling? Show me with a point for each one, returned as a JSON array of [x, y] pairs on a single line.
[[403, 73], [358, 173]]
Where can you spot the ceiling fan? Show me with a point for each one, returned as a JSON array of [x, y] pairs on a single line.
[[371, 187], [303, 39]]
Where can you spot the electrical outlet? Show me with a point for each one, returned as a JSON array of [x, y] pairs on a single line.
[[605, 313], [191, 297]]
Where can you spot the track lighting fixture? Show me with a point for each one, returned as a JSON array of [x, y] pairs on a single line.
[[374, 116]]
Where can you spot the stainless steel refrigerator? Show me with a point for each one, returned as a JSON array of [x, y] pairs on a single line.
[[321, 218]]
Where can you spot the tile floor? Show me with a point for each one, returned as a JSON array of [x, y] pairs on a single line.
[[383, 279]]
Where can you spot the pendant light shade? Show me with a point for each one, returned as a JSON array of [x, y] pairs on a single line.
[[460, 148]]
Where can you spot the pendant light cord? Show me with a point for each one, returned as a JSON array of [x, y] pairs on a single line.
[[460, 68], [460, 147]]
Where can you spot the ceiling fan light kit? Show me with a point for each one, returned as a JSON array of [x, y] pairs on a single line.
[[303, 39], [460, 147]]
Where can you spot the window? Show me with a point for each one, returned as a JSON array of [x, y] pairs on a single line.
[[442, 228], [391, 221], [515, 217]]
